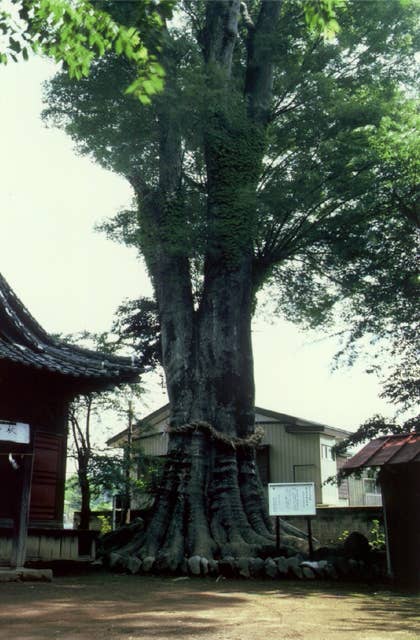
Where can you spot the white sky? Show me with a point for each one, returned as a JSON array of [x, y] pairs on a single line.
[[72, 278]]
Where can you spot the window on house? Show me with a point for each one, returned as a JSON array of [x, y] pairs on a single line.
[[327, 452]]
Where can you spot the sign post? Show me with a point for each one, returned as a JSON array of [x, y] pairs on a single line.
[[292, 499]]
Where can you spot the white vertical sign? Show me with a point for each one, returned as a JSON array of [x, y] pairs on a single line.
[[14, 432]]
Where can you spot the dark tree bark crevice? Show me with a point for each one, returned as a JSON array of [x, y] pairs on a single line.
[[252, 494]]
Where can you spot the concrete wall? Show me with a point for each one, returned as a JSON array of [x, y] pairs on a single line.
[[330, 522]]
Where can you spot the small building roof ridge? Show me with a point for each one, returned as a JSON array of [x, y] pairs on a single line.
[[297, 421], [294, 421]]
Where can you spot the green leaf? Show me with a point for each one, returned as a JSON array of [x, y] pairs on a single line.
[[133, 87], [145, 100], [118, 46], [148, 87]]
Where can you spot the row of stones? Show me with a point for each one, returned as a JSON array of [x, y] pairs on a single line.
[[25, 575], [281, 567]]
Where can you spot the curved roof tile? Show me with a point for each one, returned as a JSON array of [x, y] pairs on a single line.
[[24, 341]]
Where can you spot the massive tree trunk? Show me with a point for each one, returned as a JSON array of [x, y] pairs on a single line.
[[211, 504]]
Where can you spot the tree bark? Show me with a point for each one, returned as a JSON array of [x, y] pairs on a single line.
[[81, 441], [85, 510]]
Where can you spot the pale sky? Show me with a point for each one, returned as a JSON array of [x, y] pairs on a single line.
[[72, 278]]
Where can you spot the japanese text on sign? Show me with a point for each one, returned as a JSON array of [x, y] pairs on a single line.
[[292, 499], [14, 432]]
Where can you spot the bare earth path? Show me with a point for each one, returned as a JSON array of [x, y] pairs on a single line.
[[110, 607]]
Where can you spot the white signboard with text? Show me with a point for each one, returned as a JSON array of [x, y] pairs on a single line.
[[14, 432], [292, 499]]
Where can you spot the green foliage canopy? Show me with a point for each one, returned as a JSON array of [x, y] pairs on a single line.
[[76, 33], [332, 218]]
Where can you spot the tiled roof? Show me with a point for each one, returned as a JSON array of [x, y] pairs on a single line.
[[387, 450], [24, 341]]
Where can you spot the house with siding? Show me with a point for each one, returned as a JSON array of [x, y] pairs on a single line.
[[293, 450]]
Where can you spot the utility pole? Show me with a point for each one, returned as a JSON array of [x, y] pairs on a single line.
[[128, 452]]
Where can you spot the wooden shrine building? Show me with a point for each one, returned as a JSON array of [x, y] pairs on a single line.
[[398, 459], [39, 377]]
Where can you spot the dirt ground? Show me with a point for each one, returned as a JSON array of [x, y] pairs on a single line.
[[103, 606]]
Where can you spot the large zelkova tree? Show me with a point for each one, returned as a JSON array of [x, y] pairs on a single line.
[[259, 165]]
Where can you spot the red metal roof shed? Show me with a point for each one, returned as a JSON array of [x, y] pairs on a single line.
[[398, 457], [394, 449]]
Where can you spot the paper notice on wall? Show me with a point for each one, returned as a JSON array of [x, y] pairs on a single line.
[[292, 499], [14, 432]]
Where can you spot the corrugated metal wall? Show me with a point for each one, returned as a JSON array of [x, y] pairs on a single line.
[[293, 458], [155, 445]]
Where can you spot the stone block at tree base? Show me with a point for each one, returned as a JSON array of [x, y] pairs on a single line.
[[26, 575], [194, 565], [270, 568]]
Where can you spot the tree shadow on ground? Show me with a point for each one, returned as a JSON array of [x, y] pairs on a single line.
[[113, 607], [381, 609], [109, 606], [390, 612]]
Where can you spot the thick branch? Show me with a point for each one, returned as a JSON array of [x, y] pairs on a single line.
[[78, 436], [221, 32], [259, 74], [167, 257], [87, 421], [246, 18]]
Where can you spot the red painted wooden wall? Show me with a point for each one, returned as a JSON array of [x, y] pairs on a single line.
[[47, 479]]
